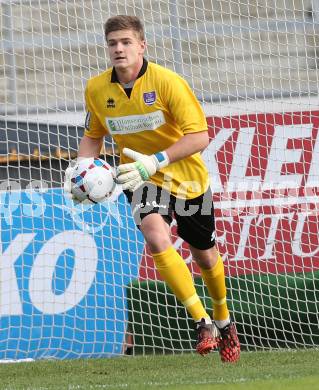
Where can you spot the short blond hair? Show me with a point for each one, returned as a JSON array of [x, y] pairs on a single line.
[[124, 22]]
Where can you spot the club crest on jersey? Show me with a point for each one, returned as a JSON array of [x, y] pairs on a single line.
[[149, 98], [110, 103]]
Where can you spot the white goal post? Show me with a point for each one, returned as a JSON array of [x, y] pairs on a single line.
[[78, 281]]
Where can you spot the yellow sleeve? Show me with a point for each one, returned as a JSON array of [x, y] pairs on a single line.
[[93, 126], [184, 106]]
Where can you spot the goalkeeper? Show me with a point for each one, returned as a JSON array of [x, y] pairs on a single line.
[[160, 129]]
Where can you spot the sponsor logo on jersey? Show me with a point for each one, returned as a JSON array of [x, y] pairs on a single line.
[[135, 123], [87, 120], [149, 98], [110, 103]]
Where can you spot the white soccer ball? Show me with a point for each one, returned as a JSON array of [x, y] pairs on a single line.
[[92, 179]]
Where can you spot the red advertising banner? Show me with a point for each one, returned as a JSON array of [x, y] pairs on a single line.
[[264, 172]]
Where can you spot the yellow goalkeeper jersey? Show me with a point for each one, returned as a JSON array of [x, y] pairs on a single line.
[[160, 110]]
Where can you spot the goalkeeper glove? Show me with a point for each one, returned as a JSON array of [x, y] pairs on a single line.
[[132, 175], [67, 186], [68, 176]]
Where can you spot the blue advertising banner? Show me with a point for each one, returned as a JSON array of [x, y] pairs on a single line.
[[63, 275]]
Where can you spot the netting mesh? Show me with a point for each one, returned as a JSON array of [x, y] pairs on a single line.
[[78, 282]]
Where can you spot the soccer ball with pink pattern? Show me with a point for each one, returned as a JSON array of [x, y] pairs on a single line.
[[93, 180]]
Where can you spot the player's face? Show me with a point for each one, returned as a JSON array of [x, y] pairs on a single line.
[[126, 49]]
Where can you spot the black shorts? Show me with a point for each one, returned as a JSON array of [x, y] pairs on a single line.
[[194, 217]]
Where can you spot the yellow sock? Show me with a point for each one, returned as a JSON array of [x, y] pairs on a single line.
[[178, 277], [215, 281]]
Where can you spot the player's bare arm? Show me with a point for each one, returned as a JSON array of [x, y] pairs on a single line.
[[90, 147], [187, 145]]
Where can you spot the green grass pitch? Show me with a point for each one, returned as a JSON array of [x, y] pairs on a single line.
[[277, 370]]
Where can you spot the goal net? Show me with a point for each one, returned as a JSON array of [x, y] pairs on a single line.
[[77, 281]]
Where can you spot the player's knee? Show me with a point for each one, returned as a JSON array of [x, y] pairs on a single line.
[[157, 240], [156, 233], [205, 259], [158, 243]]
